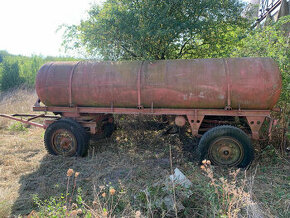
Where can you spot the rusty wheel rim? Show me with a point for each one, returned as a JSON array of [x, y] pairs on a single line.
[[64, 142], [226, 151]]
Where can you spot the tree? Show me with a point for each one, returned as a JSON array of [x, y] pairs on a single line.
[[10, 75], [2, 55], [35, 64], [270, 41], [157, 29]]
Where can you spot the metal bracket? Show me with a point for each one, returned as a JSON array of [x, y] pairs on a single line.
[[255, 124], [195, 122]]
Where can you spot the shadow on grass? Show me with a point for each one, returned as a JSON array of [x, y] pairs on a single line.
[[134, 158]]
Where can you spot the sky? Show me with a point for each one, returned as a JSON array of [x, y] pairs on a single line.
[[28, 27]]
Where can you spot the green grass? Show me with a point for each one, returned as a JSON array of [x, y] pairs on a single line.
[[17, 127]]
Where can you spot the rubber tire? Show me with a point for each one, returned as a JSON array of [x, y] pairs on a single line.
[[229, 131], [82, 137]]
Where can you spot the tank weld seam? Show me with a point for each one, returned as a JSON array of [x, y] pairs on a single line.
[[70, 83], [139, 106], [226, 66]]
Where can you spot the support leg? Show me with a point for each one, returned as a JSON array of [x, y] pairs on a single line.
[[195, 122], [255, 124]]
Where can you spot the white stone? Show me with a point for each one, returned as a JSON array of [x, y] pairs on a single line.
[[179, 178]]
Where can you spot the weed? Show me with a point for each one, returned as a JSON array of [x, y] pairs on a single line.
[[230, 197], [152, 201], [17, 127], [109, 201], [64, 205]]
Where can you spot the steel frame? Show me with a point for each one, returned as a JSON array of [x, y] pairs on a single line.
[[195, 117], [255, 118], [28, 121]]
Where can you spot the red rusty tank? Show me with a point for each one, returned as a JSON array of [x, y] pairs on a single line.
[[245, 83]]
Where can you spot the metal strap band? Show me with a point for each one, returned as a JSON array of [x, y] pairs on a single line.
[[139, 86], [228, 106], [46, 75], [70, 83]]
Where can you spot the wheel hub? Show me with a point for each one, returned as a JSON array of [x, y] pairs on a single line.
[[226, 151], [64, 142]]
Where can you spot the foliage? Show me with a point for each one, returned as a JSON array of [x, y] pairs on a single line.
[[225, 196], [270, 41], [68, 205], [10, 75], [228, 196], [52, 207], [16, 70], [30, 68], [154, 29], [2, 55], [108, 202], [17, 127]]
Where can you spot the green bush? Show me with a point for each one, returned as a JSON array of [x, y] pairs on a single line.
[[16, 70], [10, 75]]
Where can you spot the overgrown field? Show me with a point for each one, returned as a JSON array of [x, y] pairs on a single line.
[[127, 174]]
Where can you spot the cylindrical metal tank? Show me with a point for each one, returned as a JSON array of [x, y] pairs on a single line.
[[245, 83]]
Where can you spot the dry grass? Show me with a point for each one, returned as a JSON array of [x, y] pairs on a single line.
[[20, 151], [136, 156], [17, 101], [232, 193]]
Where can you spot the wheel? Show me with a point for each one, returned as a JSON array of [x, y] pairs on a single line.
[[66, 137], [226, 146]]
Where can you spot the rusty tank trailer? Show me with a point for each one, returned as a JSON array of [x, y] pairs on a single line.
[[223, 101], [238, 83]]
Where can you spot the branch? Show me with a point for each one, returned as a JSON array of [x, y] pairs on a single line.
[[182, 47], [128, 51]]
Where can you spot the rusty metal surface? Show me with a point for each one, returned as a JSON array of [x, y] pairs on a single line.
[[195, 116], [180, 121], [149, 111], [233, 83], [15, 117]]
